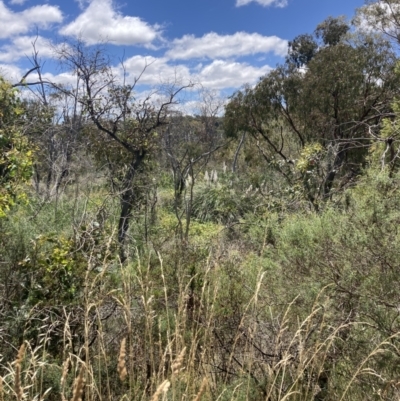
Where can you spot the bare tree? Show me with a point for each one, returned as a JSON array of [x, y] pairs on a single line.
[[110, 105], [53, 122], [189, 143]]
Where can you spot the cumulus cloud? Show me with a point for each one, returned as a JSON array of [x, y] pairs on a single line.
[[82, 3], [213, 45], [67, 79], [221, 74], [15, 23], [216, 75], [21, 46], [154, 71], [197, 106], [264, 3], [11, 72], [18, 2], [100, 21]]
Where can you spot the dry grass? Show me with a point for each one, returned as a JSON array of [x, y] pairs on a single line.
[[158, 344], [79, 385], [19, 392], [202, 390], [122, 372], [1, 389], [177, 365], [64, 374], [161, 390]]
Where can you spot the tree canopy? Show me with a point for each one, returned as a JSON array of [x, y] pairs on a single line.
[[334, 95], [15, 152], [251, 255]]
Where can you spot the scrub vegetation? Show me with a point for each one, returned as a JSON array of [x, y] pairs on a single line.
[[249, 252]]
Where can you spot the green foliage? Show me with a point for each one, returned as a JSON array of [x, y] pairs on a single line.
[[201, 233], [310, 157], [346, 87], [11, 107], [279, 278], [55, 271], [332, 30], [222, 203], [15, 153], [301, 50], [353, 254], [383, 15], [384, 152]]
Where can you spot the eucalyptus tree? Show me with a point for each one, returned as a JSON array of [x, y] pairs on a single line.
[[118, 120], [189, 143], [319, 112], [53, 124], [381, 16], [15, 151]]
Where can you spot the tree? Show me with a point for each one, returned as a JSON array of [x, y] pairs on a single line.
[[320, 122], [332, 30], [15, 153], [189, 143], [380, 15], [52, 124], [301, 50], [115, 114]]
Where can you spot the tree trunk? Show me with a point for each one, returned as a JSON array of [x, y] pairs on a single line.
[[127, 200], [337, 163], [235, 160]]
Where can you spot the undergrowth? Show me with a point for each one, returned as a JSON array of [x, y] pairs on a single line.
[[262, 306]]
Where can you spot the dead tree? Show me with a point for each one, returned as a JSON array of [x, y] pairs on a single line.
[[112, 109]]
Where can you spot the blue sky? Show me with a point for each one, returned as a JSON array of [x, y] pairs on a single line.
[[222, 44]]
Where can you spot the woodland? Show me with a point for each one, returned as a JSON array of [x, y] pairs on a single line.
[[247, 252]]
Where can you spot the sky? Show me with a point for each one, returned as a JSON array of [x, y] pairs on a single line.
[[220, 44]]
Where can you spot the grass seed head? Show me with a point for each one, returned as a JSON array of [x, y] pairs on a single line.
[[1, 389], [161, 389], [177, 364], [79, 385], [202, 389], [17, 382], [122, 372]]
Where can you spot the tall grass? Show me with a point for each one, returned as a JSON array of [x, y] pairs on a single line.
[[306, 312], [147, 348]]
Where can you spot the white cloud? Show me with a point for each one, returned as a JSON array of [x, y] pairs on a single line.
[[82, 3], [21, 47], [100, 21], [18, 2], [217, 75], [15, 23], [10, 72], [213, 45], [264, 3], [67, 79], [221, 74], [157, 70]]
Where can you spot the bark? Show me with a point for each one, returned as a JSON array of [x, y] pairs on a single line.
[[127, 201], [235, 160], [337, 164]]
